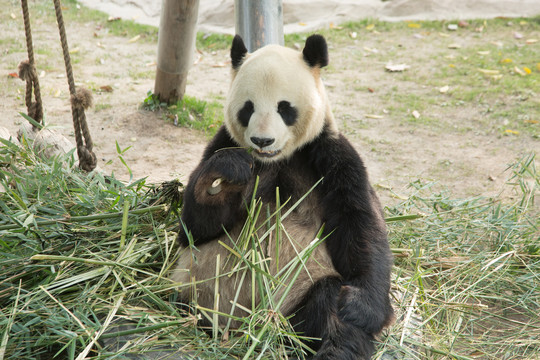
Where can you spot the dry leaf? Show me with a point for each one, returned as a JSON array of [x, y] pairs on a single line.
[[531, 121], [506, 61], [443, 34], [497, 43], [463, 24], [74, 50], [13, 75], [106, 88], [444, 89], [113, 18], [538, 66], [302, 24], [219, 65], [483, 52], [416, 114], [396, 67], [13, 16], [57, 93], [414, 25], [511, 132], [335, 27], [370, 27], [373, 116], [531, 41], [489, 72], [519, 71], [135, 38], [454, 46]]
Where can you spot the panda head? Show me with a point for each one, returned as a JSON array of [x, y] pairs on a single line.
[[277, 102]]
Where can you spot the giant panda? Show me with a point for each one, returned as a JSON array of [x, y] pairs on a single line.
[[279, 133]]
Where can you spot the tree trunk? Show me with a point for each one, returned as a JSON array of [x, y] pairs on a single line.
[[176, 44]]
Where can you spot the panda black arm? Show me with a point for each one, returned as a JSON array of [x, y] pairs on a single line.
[[208, 209], [352, 214], [356, 233]]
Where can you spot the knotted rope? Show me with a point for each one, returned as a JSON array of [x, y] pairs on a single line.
[[28, 73], [80, 100]]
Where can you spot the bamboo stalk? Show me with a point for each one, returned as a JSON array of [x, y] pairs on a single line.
[[75, 219]]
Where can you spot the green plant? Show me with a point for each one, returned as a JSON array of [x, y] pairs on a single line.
[[188, 112], [152, 102]]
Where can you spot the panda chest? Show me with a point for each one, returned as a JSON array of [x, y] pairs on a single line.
[[279, 232], [287, 211]]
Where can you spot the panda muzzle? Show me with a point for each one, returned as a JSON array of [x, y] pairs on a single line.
[[262, 143], [267, 153]]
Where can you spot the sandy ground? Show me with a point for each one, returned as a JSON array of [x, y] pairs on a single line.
[[395, 153]]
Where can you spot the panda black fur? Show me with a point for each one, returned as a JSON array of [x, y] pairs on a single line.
[[277, 107]]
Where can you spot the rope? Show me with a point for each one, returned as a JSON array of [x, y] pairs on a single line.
[[28, 73], [80, 100]]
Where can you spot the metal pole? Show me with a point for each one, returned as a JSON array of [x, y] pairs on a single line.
[[259, 22]]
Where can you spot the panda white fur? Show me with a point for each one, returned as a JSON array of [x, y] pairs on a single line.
[[279, 129]]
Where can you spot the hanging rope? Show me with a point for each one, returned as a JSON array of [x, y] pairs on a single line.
[[81, 99], [28, 73]]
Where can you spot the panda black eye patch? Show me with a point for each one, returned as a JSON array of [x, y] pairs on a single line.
[[288, 113], [245, 113]]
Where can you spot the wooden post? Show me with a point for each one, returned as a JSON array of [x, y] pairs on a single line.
[[259, 23], [176, 44]]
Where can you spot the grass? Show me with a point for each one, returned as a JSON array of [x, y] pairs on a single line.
[[508, 90], [82, 255], [188, 112]]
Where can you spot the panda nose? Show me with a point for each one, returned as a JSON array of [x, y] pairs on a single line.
[[262, 142]]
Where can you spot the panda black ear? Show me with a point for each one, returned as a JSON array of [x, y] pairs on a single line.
[[316, 51], [238, 52]]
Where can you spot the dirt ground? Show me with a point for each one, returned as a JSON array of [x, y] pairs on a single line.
[[396, 152]]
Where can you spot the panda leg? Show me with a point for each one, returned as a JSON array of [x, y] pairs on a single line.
[[317, 317]]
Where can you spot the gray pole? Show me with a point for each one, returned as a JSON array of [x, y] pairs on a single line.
[[259, 22]]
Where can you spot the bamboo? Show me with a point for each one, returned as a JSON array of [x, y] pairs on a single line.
[[74, 219]]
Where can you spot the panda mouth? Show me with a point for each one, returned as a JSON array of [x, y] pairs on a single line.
[[267, 153]]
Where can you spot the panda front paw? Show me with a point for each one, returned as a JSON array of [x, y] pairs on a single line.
[[225, 173], [230, 165]]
